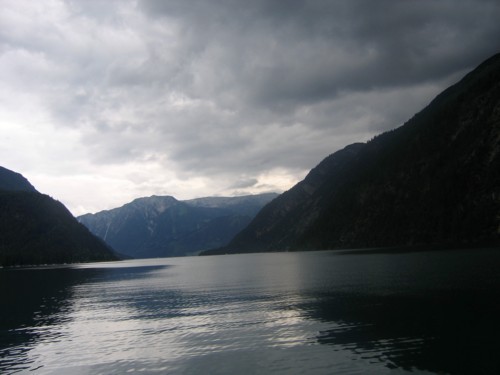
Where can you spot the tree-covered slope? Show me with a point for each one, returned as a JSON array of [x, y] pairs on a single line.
[[36, 229], [434, 180]]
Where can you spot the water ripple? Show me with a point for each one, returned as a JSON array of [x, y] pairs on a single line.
[[274, 313]]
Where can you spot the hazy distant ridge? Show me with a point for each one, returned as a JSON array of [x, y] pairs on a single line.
[[161, 226]]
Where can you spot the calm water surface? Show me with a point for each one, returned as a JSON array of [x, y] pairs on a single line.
[[287, 313]]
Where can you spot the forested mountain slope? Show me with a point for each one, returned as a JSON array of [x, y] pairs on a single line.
[[434, 180], [36, 229]]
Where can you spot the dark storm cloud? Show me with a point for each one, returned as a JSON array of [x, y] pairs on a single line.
[[271, 61], [242, 184], [298, 51]]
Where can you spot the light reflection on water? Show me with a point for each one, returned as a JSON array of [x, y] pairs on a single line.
[[429, 312]]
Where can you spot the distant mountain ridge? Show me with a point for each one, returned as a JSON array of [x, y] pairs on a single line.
[[434, 180], [36, 229], [160, 226]]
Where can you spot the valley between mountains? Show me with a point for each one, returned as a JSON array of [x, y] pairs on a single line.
[[434, 181]]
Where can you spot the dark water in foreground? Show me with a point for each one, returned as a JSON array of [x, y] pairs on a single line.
[[291, 313]]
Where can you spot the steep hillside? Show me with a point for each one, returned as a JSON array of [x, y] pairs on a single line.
[[161, 226], [36, 229], [434, 180]]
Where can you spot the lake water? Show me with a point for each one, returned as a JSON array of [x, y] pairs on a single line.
[[283, 313]]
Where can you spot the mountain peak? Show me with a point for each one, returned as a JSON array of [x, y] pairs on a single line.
[[13, 181], [160, 226], [159, 203]]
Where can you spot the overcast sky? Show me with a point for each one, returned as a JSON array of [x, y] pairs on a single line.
[[103, 101]]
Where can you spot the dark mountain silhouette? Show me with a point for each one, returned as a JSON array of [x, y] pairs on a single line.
[[13, 181], [162, 226], [433, 181], [36, 229]]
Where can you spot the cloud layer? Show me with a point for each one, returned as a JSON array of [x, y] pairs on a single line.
[[103, 102]]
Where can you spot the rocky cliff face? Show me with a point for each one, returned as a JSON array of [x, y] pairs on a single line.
[[36, 229], [434, 180], [161, 226]]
